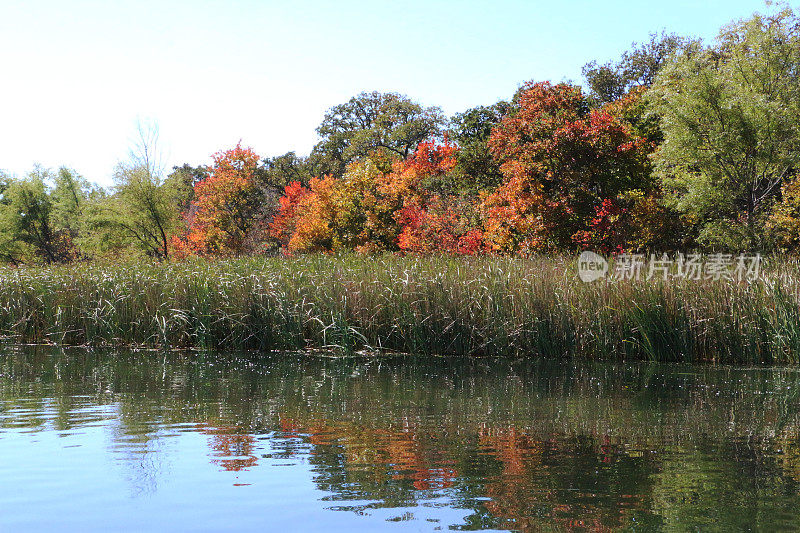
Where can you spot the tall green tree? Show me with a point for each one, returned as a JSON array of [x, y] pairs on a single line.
[[11, 250], [730, 122], [476, 169], [144, 209], [637, 67], [27, 216], [388, 122], [277, 172], [70, 195], [182, 180]]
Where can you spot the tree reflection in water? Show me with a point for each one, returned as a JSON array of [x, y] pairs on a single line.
[[231, 449], [525, 445]]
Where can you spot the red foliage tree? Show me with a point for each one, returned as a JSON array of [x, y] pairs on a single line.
[[605, 234], [437, 228], [285, 220], [429, 222], [560, 160], [429, 160]]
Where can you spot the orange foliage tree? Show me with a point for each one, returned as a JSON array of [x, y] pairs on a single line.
[[370, 210], [335, 214], [573, 177], [226, 214], [560, 160]]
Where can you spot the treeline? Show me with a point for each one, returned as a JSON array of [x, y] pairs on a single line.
[[676, 145]]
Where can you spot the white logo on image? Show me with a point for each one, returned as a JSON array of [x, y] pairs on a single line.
[[591, 266]]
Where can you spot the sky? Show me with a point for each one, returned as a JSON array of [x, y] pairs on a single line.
[[75, 77]]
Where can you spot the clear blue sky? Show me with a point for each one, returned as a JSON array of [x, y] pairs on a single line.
[[77, 74]]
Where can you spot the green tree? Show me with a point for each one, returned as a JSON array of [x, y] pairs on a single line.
[[27, 217], [387, 122], [70, 196], [476, 169], [182, 181], [637, 67], [144, 209], [730, 122], [11, 250], [277, 172]]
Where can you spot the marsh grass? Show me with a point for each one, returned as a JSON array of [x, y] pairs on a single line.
[[421, 305]]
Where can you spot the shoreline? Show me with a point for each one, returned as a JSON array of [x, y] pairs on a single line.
[[416, 305]]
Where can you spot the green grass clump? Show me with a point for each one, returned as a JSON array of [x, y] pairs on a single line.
[[422, 305]]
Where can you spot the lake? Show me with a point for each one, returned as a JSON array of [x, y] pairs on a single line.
[[143, 441]]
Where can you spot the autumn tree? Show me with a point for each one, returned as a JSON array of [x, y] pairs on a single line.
[[439, 225], [369, 210], [431, 218], [290, 208], [783, 223], [560, 160], [224, 218], [347, 213]]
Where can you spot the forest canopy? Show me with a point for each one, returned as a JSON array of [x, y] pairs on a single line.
[[676, 144]]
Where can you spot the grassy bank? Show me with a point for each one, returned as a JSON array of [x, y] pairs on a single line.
[[433, 305]]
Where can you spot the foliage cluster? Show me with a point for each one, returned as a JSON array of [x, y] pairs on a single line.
[[677, 145]]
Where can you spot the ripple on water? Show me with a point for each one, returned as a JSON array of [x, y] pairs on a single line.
[[286, 441]]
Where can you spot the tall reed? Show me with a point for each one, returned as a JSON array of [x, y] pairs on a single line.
[[422, 305]]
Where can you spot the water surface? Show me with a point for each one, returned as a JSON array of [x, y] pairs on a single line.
[[99, 441]]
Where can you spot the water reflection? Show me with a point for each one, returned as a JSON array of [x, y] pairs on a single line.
[[232, 449], [444, 443]]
